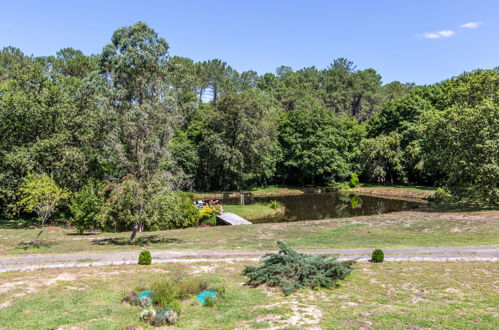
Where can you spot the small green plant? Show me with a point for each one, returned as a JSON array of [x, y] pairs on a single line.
[[275, 204], [354, 180], [377, 256], [442, 195], [291, 270], [145, 258], [209, 301]]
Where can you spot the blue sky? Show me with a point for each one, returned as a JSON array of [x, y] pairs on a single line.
[[410, 41]]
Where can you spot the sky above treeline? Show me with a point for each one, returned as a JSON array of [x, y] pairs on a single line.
[[410, 41]]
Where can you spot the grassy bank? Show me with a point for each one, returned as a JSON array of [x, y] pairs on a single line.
[[260, 192], [390, 295], [411, 192], [402, 229], [254, 211]]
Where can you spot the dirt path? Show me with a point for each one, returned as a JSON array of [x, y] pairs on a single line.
[[447, 253]]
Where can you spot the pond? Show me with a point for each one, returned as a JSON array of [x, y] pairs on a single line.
[[314, 206]]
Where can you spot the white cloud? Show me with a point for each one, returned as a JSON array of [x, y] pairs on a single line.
[[446, 33], [438, 34], [471, 25]]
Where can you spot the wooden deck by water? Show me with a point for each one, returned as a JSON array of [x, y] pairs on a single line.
[[232, 219]]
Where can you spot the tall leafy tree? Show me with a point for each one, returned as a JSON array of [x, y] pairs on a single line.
[[318, 146], [141, 102], [237, 140], [145, 110]]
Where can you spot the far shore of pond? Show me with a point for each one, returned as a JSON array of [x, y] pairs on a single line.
[[417, 193]]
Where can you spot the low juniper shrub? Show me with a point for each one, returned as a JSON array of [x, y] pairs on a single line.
[[378, 256], [145, 258], [290, 270]]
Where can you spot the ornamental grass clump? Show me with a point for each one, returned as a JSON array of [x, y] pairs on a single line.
[[290, 270], [162, 299]]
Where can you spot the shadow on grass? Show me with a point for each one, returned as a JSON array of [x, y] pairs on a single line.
[[82, 234], [141, 241], [18, 223], [35, 245], [459, 207]]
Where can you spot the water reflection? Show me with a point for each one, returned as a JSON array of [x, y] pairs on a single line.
[[327, 205]]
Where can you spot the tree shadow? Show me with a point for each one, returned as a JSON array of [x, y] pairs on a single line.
[[457, 208], [141, 241], [35, 244], [82, 234], [19, 223]]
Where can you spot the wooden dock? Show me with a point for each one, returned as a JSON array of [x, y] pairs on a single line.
[[231, 219]]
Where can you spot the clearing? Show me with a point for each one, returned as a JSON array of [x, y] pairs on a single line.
[[394, 294], [401, 229]]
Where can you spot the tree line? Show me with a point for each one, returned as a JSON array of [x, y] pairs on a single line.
[[137, 122]]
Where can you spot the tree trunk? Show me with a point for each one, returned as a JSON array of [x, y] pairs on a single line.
[[241, 197], [38, 236], [135, 230]]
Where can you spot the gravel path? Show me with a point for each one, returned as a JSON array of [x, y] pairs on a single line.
[[447, 253]]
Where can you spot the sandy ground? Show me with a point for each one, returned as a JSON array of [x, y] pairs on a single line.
[[447, 253]]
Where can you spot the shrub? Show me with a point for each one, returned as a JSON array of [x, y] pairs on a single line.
[[85, 206], [442, 194], [354, 180], [168, 292], [163, 299], [275, 204], [172, 211], [209, 301], [378, 256], [145, 258], [291, 270], [208, 214]]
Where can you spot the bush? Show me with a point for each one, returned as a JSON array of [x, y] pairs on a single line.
[[291, 270], [209, 301], [354, 180], [168, 292], [208, 214], [85, 206], [171, 211], [163, 298], [442, 195], [145, 258], [275, 204], [378, 256]]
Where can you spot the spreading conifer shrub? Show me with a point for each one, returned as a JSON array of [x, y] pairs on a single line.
[[378, 256], [145, 258], [290, 270]]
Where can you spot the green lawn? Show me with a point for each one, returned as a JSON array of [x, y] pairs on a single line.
[[396, 295], [403, 229]]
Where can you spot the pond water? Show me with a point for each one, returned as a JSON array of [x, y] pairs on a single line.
[[314, 206]]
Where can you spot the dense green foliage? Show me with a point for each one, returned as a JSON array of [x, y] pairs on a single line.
[[290, 270], [378, 256], [85, 206], [354, 180], [147, 124], [145, 258]]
